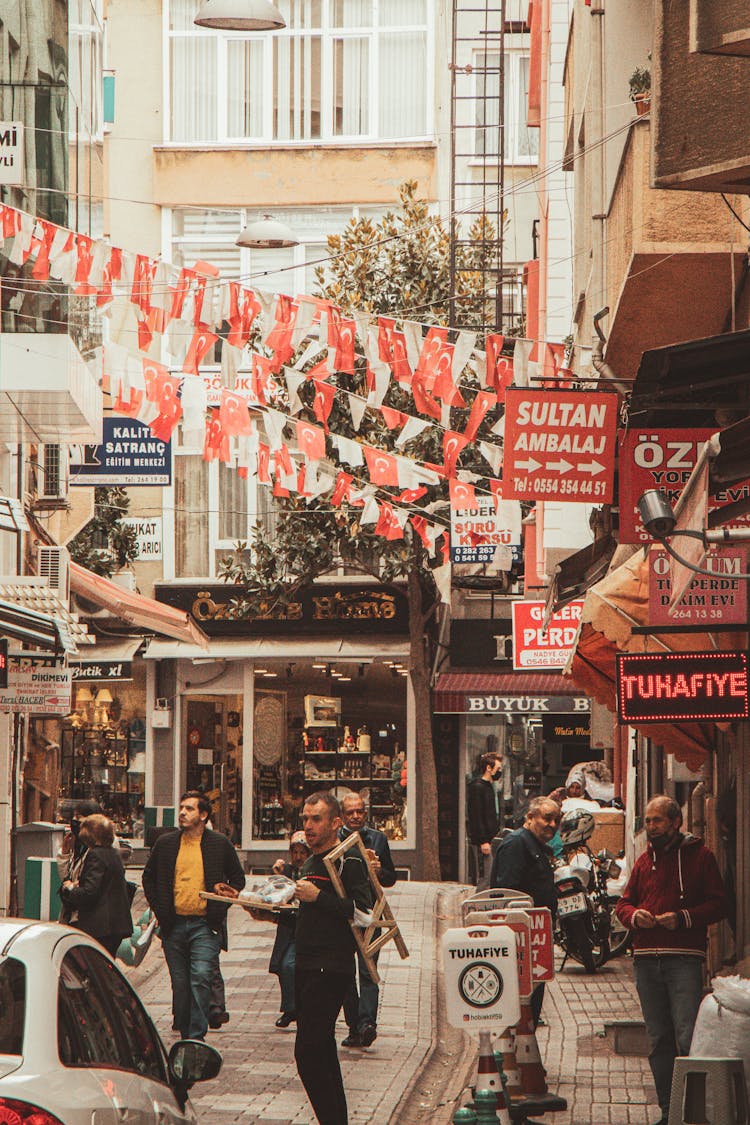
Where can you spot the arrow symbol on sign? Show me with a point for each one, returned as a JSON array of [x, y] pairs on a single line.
[[530, 466], [560, 466], [592, 467], [538, 970]]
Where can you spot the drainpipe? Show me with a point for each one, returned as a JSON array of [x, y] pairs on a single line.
[[598, 361], [598, 154]]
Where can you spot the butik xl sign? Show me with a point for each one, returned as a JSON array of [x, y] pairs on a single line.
[[559, 446], [656, 687], [537, 647], [663, 459]]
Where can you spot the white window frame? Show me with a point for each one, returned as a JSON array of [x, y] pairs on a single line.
[[88, 36], [328, 35], [513, 58]]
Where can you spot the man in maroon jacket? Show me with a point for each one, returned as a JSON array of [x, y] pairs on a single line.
[[674, 893]]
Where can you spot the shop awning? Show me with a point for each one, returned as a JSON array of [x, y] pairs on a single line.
[[540, 691], [144, 613], [33, 597], [36, 629], [578, 572], [611, 611], [263, 648]]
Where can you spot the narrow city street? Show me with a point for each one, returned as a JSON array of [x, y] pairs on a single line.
[[419, 1070]]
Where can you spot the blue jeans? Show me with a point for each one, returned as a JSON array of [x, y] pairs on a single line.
[[361, 1008], [192, 954], [670, 988], [286, 978]]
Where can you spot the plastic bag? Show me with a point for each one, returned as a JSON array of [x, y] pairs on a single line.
[[722, 1028], [276, 890]]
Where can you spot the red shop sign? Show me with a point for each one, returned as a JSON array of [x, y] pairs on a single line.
[[559, 446], [663, 459], [542, 949], [535, 647], [655, 687], [711, 600]]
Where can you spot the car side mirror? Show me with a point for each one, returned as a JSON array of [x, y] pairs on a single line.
[[191, 1061]]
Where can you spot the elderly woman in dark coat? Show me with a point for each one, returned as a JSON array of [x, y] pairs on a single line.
[[97, 902]]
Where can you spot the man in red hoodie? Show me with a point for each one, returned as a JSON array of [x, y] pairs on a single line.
[[674, 893]]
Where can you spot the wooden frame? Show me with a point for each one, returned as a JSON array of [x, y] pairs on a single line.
[[382, 916]]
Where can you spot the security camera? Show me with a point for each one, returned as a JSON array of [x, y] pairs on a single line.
[[656, 513]]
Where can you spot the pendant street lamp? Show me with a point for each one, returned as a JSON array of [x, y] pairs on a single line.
[[267, 234], [240, 15]]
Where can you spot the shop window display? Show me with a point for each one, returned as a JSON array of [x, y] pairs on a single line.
[[334, 726]]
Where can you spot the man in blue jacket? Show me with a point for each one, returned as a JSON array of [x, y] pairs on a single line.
[[523, 862], [361, 1008]]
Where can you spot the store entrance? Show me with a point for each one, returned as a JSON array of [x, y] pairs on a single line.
[[212, 736]]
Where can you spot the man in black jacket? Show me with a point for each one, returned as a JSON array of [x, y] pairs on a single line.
[[481, 815], [325, 955], [181, 865], [361, 1009], [523, 862]]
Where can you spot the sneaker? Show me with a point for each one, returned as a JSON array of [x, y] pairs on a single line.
[[353, 1039], [217, 1020], [368, 1034], [285, 1019]]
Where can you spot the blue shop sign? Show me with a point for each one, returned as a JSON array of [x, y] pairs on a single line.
[[129, 454]]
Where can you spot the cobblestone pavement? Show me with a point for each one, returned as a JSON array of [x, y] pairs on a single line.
[[600, 1086], [259, 1081], [390, 1083]]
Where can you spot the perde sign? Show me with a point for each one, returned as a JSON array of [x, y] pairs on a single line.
[[481, 978]]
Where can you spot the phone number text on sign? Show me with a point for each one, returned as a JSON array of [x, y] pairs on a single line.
[[559, 446]]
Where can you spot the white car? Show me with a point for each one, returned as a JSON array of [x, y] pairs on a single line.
[[76, 1044]]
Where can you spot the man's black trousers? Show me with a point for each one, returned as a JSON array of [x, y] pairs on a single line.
[[319, 994]]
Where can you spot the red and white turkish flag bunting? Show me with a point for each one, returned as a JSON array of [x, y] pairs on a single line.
[[323, 402], [264, 463], [201, 343], [462, 494], [483, 402], [341, 333], [216, 445], [342, 489], [382, 467], [499, 367], [234, 414], [279, 339], [453, 444], [311, 441], [426, 531], [389, 525], [262, 378], [163, 390], [393, 419], [243, 309]]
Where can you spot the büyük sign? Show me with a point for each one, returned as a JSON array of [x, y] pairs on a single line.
[[663, 459], [719, 598], [481, 978], [537, 647], [682, 686], [559, 446]]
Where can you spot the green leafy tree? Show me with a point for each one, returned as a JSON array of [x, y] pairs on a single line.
[[106, 544], [399, 267]]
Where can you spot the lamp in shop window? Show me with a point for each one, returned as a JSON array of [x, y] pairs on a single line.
[[239, 15], [104, 701], [267, 233], [84, 699]]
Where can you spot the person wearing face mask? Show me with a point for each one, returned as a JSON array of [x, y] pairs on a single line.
[[482, 820], [674, 894]]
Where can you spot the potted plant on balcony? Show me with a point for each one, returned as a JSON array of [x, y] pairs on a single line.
[[640, 89]]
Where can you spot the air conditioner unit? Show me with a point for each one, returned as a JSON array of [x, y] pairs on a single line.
[[53, 477], [53, 563]]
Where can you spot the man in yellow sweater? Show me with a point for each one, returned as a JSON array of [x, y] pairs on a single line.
[[183, 863]]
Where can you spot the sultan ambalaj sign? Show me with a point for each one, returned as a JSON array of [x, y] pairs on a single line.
[[659, 687]]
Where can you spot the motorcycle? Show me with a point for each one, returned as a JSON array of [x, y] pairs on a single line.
[[585, 909]]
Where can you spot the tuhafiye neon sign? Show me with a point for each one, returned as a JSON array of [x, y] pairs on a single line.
[[682, 686]]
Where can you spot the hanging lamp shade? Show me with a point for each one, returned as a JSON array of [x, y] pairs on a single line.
[[240, 15], [267, 234]]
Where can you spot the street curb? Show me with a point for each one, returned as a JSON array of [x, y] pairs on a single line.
[[446, 902]]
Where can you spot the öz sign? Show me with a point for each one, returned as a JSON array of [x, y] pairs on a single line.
[[681, 686]]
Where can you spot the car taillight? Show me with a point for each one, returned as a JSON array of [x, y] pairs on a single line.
[[562, 888], [13, 1112]]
